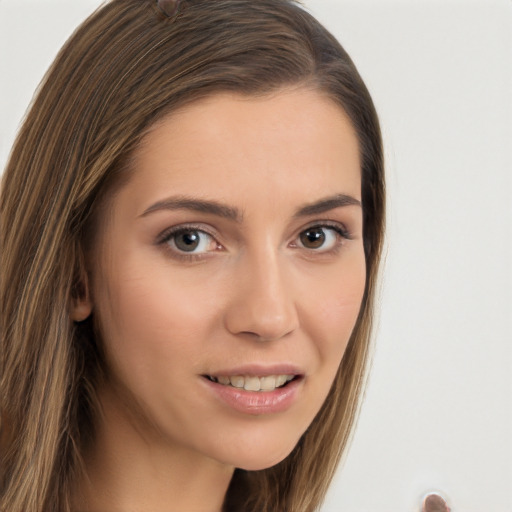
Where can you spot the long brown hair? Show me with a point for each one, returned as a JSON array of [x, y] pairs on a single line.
[[127, 65]]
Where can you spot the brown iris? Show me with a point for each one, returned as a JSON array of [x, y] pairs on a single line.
[[187, 240], [312, 238]]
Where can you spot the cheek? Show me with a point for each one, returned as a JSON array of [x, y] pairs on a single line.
[[336, 304], [150, 320], [329, 315]]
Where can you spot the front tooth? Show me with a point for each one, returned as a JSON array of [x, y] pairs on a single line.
[[268, 383], [237, 381], [223, 380], [252, 383], [280, 380]]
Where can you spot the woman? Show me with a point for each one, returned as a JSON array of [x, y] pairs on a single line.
[[192, 219]]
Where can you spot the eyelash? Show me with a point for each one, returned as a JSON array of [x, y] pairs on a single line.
[[164, 238], [341, 233], [169, 234]]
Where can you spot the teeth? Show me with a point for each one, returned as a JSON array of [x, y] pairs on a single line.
[[280, 380], [252, 383], [268, 383], [237, 381]]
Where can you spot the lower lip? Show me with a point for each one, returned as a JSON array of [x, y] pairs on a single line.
[[257, 402]]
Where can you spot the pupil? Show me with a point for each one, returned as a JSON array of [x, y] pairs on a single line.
[[312, 238], [187, 241]]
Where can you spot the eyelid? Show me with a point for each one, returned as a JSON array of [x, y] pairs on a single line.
[[339, 227], [341, 233], [165, 235], [174, 253]]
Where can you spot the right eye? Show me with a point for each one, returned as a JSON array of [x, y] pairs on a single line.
[[190, 241]]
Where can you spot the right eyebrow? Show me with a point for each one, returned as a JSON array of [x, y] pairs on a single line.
[[196, 205]]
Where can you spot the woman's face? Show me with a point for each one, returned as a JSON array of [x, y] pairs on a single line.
[[232, 261]]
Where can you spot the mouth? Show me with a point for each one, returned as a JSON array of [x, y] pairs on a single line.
[[253, 383]]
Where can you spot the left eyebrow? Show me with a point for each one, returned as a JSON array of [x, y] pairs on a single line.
[[327, 204]]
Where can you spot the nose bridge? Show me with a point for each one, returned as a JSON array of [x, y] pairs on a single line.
[[263, 304]]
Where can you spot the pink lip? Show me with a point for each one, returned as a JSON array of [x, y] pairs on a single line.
[[256, 402]]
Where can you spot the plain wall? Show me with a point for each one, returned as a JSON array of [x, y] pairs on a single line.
[[438, 409]]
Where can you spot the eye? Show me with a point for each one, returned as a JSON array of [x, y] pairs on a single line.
[[321, 238], [190, 240]]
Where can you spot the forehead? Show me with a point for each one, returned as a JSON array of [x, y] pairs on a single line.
[[294, 141]]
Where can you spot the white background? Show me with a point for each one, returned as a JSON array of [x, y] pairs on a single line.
[[438, 410]]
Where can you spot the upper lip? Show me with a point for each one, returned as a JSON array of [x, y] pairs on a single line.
[[258, 370]]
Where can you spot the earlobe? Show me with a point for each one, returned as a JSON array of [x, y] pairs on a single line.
[[80, 309], [80, 306]]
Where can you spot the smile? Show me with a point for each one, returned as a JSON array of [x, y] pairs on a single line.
[[253, 383]]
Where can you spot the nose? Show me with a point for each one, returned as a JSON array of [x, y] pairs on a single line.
[[262, 303]]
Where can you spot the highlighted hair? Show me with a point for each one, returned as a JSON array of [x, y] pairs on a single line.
[[126, 66]]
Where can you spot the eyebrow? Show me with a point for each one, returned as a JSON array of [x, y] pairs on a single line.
[[196, 205], [327, 204], [232, 213]]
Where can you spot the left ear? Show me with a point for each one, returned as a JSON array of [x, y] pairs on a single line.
[[81, 304]]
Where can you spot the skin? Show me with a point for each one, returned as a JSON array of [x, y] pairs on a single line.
[[253, 293]]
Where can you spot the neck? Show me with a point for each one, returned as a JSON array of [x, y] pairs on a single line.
[[129, 469]]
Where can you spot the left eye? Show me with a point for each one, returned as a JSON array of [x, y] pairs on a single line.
[[319, 237], [191, 241]]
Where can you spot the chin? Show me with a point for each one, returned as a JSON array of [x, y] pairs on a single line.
[[259, 456]]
